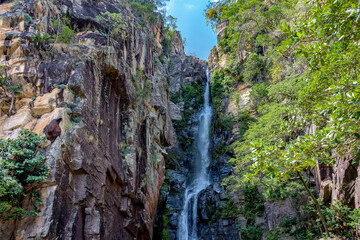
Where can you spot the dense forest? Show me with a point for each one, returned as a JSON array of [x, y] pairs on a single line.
[[301, 59]]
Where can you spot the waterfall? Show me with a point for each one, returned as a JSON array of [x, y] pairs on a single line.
[[188, 217]]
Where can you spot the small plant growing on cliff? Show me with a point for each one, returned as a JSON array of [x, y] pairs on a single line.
[[63, 33], [145, 10], [115, 23], [9, 88], [28, 20], [42, 40], [21, 168]]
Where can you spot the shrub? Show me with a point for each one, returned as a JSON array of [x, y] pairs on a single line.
[[254, 204], [42, 40], [64, 33], [20, 168], [259, 93], [144, 11], [251, 232], [28, 20], [176, 97], [341, 220], [253, 68], [225, 123], [217, 89], [115, 22], [244, 120], [166, 46]]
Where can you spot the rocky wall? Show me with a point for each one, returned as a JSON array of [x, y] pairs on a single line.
[[108, 164]]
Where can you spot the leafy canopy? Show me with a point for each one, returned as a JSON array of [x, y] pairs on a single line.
[[21, 168]]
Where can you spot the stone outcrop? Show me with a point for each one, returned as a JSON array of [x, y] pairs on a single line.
[[108, 164], [212, 225]]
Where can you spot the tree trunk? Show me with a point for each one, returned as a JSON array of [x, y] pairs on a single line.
[[316, 204], [12, 104]]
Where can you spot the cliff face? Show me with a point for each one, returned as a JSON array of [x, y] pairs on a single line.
[[112, 94]]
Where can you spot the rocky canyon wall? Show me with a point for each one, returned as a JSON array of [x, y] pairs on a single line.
[[108, 164]]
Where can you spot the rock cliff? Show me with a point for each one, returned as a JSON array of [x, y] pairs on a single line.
[[112, 93]]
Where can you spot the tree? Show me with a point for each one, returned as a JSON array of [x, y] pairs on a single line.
[[21, 168], [114, 23], [9, 88], [171, 23], [327, 39]]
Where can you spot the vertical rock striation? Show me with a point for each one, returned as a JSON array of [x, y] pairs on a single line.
[[108, 164]]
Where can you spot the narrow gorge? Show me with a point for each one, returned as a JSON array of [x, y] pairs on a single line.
[[199, 178], [110, 129]]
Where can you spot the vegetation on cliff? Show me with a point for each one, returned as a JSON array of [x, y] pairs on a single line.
[[21, 169], [301, 59]]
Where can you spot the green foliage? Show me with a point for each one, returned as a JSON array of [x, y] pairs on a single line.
[[252, 23], [15, 89], [329, 99], [165, 233], [254, 204], [6, 84], [274, 190], [21, 166], [229, 209], [142, 84], [166, 46], [225, 124], [115, 23], [192, 96], [61, 86], [303, 64], [244, 120], [169, 36], [28, 20], [42, 40], [251, 232], [259, 93], [176, 97], [292, 227], [145, 10], [341, 220], [217, 87], [63, 33], [254, 68], [76, 119], [303, 59], [165, 222], [223, 82]]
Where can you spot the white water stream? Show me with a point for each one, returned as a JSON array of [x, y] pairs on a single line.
[[188, 217]]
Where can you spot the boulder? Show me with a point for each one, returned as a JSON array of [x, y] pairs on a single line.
[[175, 111], [45, 104], [19, 120]]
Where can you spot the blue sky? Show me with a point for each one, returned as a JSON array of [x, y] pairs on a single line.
[[192, 25]]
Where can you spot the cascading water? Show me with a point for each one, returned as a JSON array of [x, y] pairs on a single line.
[[188, 217]]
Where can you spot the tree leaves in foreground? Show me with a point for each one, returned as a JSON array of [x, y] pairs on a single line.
[[22, 168], [315, 118]]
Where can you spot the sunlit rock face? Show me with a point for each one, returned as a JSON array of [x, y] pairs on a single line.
[[108, 164]]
